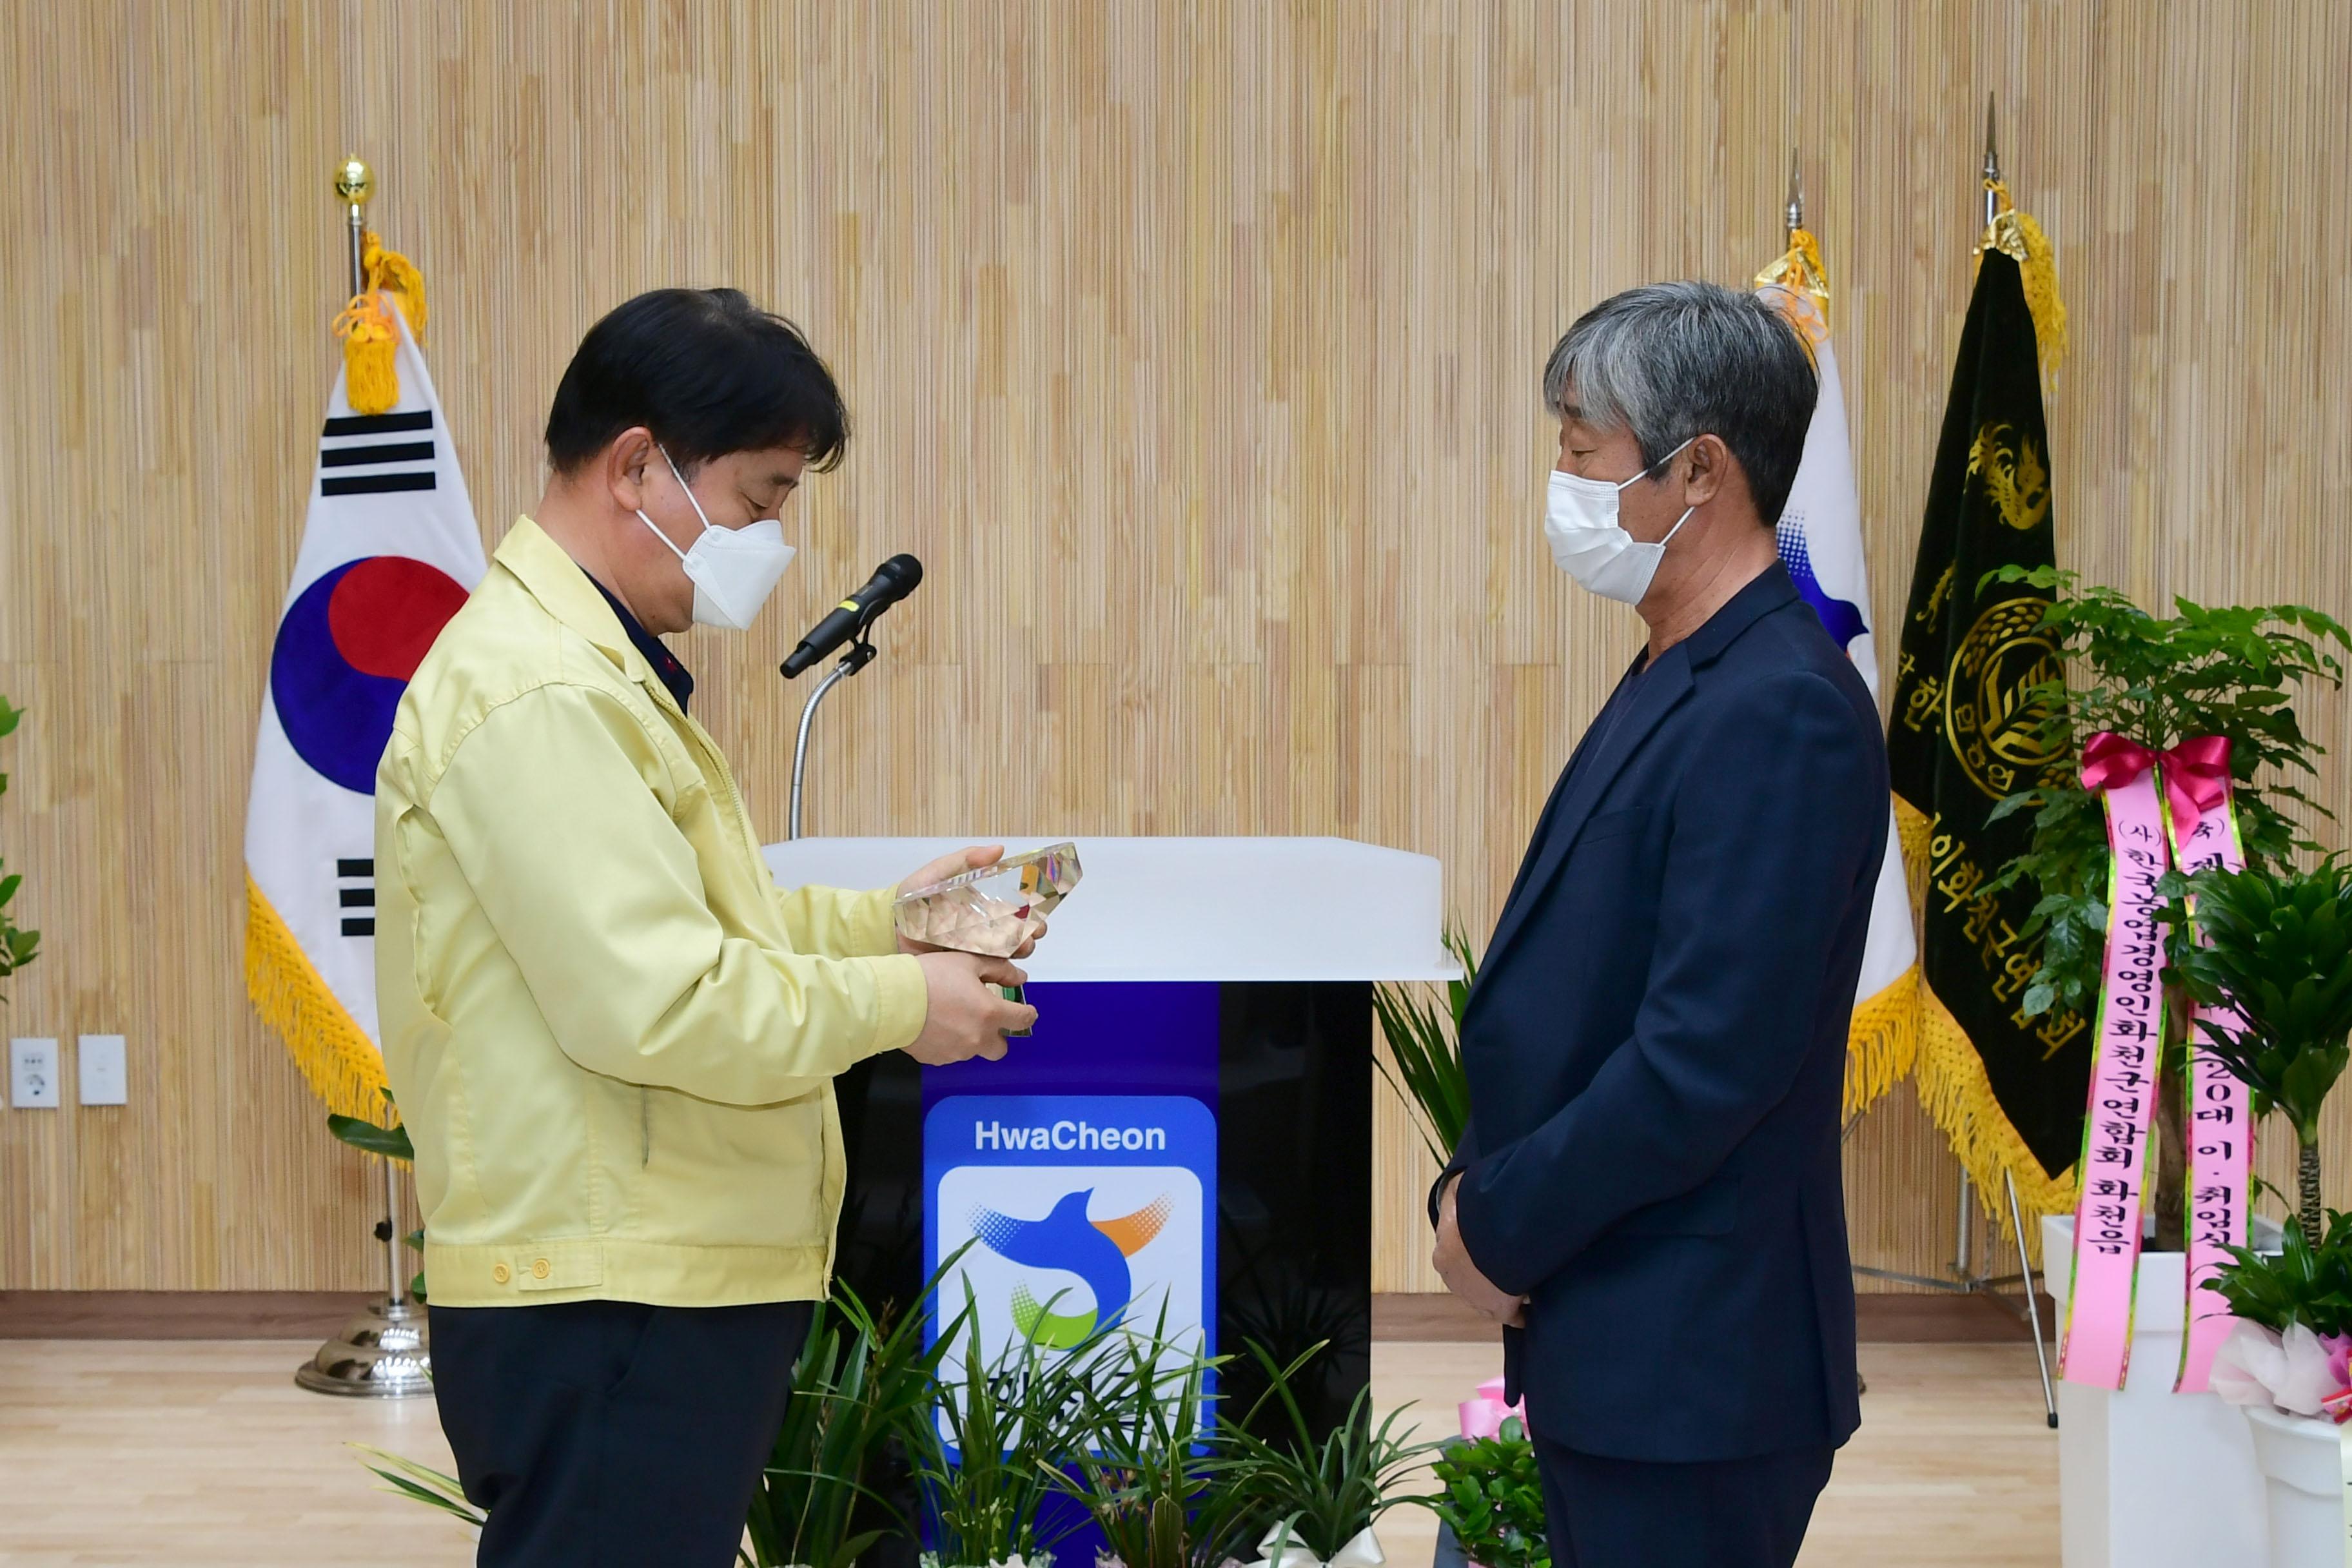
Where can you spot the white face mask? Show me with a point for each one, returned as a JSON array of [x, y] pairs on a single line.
[[1580, 523], [733, 570]]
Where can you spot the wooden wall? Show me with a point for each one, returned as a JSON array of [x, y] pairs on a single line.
[[1193, 347]]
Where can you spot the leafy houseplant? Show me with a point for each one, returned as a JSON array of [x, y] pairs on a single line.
[[18, 947], [2230, 671], [1321, 1494], [390, 1142], [2277, 948], [1426, 1044], [2307, 1281], [1008, 1424], [1143, 1464], [1493, 1499], [823, 1499]]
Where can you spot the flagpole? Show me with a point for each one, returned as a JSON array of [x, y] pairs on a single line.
[[1965, 1278], [384, 1353]]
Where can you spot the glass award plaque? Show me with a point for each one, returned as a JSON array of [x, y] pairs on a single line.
[[992, 910]]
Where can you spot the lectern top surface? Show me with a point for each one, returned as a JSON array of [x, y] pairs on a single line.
[[1196, 908]]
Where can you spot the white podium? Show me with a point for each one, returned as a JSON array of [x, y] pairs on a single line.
[[1197, 908], [1186, 1139]]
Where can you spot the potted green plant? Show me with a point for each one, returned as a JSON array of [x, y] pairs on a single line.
[[1144, 1461], [2275, 947], [986, 1449], [2145, 1476], [18, 946], [1491, 1497], [2274, 963], [826, 1494], [2231, 671], [1310, 1499]]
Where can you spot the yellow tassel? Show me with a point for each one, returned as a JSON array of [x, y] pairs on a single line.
[[371, 370], [388, 272], [370, 342], [2016, 236], [1957, 1095], [1802, 285], [336, 1057], [1800, 271]]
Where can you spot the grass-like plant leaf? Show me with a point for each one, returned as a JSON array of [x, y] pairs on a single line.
[[1326, 1492], [2276, 945], [1423, 1063], [422, 1483]]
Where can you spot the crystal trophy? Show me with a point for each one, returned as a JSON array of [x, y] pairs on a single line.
[[992, 910]]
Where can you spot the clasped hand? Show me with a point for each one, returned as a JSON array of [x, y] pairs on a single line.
[[965, 1015], [1461, 1275]]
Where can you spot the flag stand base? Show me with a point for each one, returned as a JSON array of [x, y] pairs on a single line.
[[386, 1353], [1967, 1281]]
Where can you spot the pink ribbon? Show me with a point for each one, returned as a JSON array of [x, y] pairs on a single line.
[[2096, 1347], [2196, 772], [2221, 1107], [2164, 809], [1483, 1416]]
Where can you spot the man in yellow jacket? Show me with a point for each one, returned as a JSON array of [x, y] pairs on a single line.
[[612, 1037]]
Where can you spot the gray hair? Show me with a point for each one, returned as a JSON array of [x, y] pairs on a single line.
[[1670, 362]]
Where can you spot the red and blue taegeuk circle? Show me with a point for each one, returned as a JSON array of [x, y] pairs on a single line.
[[345, 651]]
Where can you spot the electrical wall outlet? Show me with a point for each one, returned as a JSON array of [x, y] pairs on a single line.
[[33, 1073], [105, 1080]]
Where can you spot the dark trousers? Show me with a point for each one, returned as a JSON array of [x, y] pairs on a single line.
[[1722, 1513], [607, 1433]]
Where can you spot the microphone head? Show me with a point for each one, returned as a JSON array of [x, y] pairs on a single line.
[[904, 571]]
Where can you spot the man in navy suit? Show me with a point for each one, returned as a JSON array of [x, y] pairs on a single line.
[[1648, 1197]]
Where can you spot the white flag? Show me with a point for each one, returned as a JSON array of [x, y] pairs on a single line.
[[389, 551], [1821, 544]]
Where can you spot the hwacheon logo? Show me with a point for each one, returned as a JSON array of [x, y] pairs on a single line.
[[1096, 1250], [1071, 1217]]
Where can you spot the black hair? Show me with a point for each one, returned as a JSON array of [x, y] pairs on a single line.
[[707, 372]]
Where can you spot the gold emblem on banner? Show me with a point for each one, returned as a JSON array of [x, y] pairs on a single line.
[[2014, 476], [1990, 716]]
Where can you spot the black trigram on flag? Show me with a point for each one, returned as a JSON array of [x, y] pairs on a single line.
[[355, 891], [395, 450]]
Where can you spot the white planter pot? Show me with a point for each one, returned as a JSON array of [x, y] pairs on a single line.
[[2148, 1478], [2302, 1470]]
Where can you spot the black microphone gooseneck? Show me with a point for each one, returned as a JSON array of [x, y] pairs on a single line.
[[850, 622], [892, 581]]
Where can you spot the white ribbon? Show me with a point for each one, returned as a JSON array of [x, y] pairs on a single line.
[[1281, 1548]]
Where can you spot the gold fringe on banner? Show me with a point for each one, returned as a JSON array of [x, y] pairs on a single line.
[[2016, 236], [1954, 1092], [1883, 1042], [372, 374], [335, 1053]]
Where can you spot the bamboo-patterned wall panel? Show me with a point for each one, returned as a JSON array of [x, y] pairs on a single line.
[[1193, 347]]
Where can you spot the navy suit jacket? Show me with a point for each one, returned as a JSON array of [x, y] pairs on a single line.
[[1656, 1049]]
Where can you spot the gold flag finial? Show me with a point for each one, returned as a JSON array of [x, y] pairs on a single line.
[[371, 340], [354, 182], [1992, 165], [1796, 210], [2018, 236]]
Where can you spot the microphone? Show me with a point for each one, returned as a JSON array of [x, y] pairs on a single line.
[[892, 581]]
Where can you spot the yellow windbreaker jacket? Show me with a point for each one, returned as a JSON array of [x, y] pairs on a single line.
[[612, 1038]]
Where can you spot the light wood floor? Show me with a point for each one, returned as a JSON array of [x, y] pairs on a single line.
[[205, 1453]]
